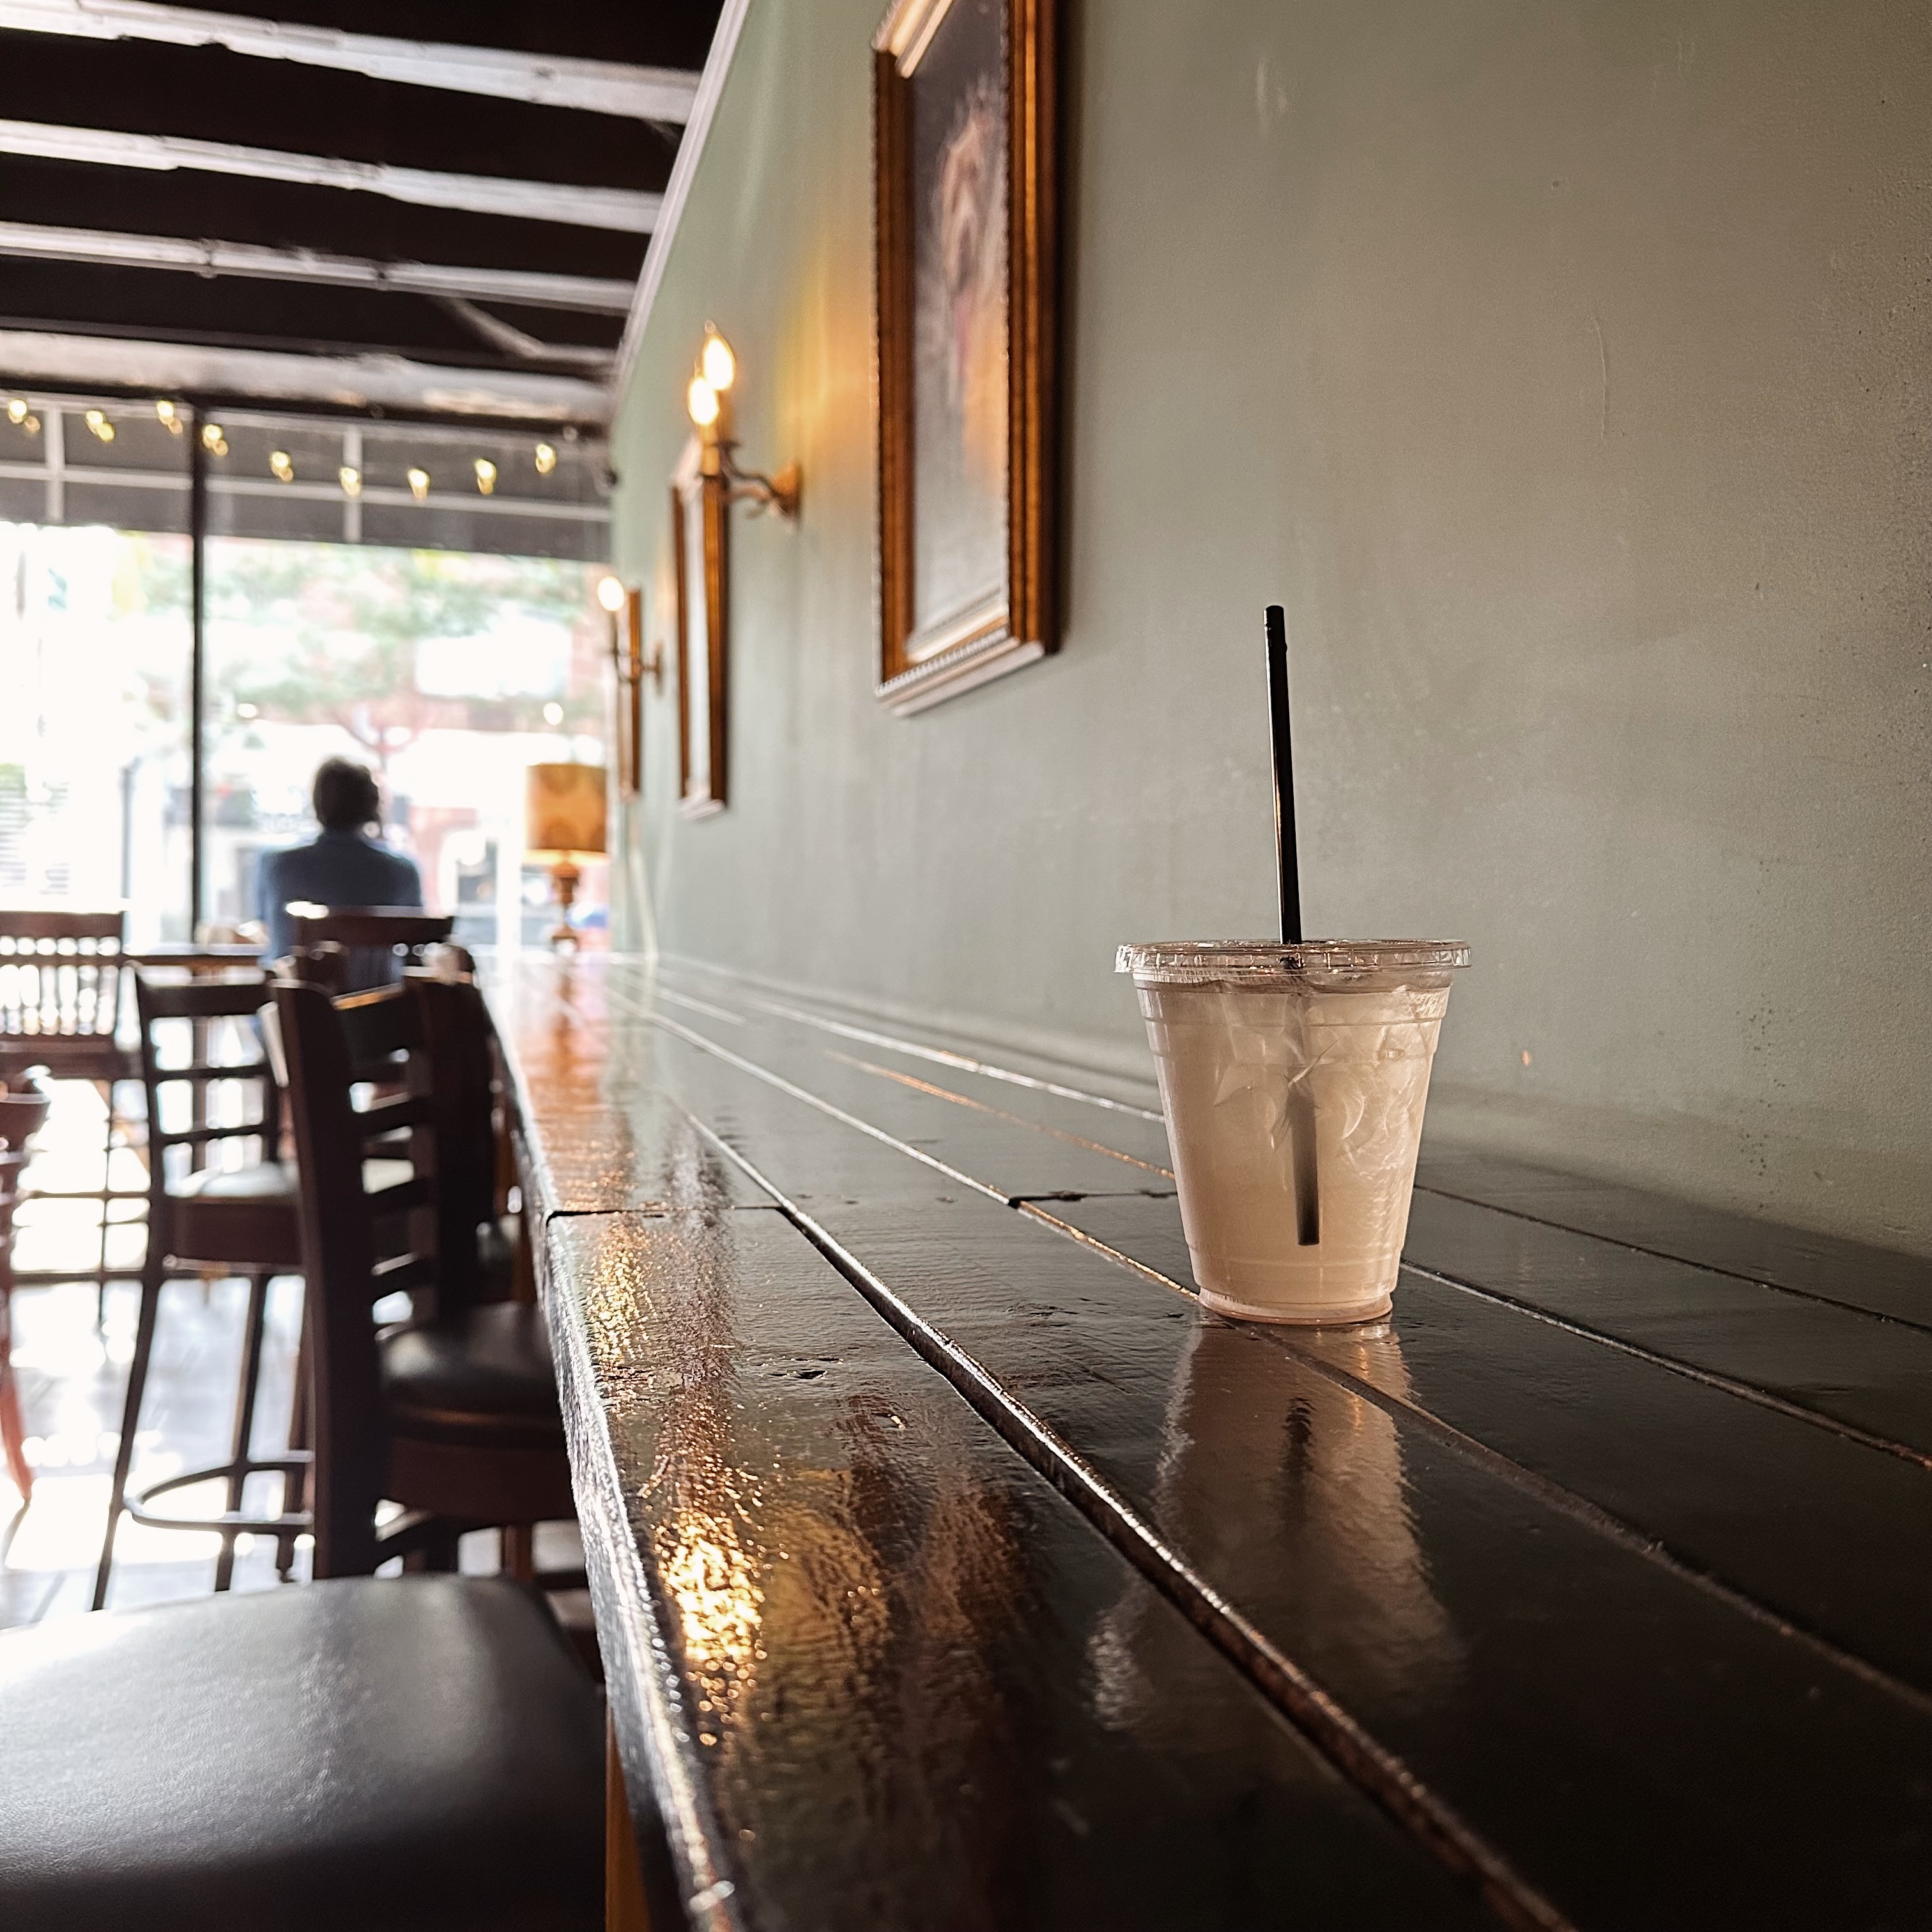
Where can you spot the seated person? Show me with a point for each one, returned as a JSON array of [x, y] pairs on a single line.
[[344, 866]]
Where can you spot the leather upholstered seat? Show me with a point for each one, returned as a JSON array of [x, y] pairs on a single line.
[[483, 1375], [420, 1754], [265, 1180]]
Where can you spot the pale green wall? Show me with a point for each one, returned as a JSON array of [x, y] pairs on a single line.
[[1563, 368]]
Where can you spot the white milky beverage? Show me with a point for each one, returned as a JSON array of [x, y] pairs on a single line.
[[1294, 1079]]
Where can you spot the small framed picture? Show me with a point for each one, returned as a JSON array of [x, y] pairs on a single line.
[[963, 131], [699, 576], [629, 636]]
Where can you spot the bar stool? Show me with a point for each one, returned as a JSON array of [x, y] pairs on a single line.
[[380, 940], [22, 1114], [423, 1755], [60, 976], [454, 1415], [243, 1219]]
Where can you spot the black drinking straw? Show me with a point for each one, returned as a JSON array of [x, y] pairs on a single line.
[[1286, 871], [1300, 1102]]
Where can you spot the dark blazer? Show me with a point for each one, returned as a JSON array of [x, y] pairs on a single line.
[[339, 869]]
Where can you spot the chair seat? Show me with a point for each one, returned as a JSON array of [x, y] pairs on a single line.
[[422, 1754], [266, 1181], [245, 1216], [481, 1379]]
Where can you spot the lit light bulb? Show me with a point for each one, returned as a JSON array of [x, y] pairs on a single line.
[[32, 425], [168, 416], [351, 480], [546, 459], [610, 595], [284, 470], [552, 713], [418, 484], [245, 712], [486, 475], [16, 409], [719, 365], [212, 440], [701, 400], [100, 426]]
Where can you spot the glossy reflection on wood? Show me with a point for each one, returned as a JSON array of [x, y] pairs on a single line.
[[1652, 1646], [902, 1683]]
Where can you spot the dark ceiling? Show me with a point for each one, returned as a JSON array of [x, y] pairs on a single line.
[[266, 200]]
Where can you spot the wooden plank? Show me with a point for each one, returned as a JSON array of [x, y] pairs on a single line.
[[1860, 1371], [869, 1669], [1830, 1360], [1880, 1280], [1822, 1531], [1542, 1674], [999, 1148]]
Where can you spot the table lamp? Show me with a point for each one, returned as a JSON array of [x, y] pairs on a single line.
[[563, 821]]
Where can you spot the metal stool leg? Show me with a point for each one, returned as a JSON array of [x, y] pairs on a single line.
[[244, 1420], [131, 1416], [294, 1486], [106, 1213]]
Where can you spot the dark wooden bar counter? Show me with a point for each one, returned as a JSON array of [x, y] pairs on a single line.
[[953, 1568]]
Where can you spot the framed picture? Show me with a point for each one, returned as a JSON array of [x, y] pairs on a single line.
[[628, 639], [963, 160], [699, 578]]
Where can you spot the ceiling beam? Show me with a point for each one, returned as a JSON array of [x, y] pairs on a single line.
[[677, 189], [553, 80], [32, 241], [628, 209], [34, 357]]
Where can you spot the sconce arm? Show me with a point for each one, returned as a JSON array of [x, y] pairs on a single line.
[[778, 492]]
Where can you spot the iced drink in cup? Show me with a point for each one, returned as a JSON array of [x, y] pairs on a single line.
[[1294, 1079]]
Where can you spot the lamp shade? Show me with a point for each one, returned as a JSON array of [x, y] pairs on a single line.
[[564, 811]]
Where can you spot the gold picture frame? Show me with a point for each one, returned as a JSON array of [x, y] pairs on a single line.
[[627, 640], [963, 146], [700, 580]]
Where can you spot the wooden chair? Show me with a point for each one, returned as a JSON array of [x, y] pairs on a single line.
[[240, 1217], [380, 940], [453, 1415], [22, 1114], [417, 1755], [61, 978]]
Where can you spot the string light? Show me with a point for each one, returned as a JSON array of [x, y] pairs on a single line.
[[419, 483], [351, 480], [212, 440], [101, 427], [284, 470], [16, 412], [168, 416], [552, 713], [486, 475], [546, 459]]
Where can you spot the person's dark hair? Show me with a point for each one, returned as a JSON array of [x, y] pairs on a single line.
[[345, 798]]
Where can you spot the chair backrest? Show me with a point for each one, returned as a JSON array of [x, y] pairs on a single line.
[[379, 940], [60, 974], [209, 1084], [360, 1245]]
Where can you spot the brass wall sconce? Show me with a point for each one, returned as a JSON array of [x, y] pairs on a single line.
[[625, 606], [707, 400]]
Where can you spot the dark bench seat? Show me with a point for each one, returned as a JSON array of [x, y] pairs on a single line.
[[948, 1550]]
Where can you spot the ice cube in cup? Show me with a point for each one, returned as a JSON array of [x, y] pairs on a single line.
[[1294, 1079]]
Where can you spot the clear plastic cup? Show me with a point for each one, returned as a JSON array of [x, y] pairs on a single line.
[[1294, 1079]]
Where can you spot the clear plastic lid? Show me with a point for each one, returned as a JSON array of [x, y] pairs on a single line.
[[1187, 961]]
